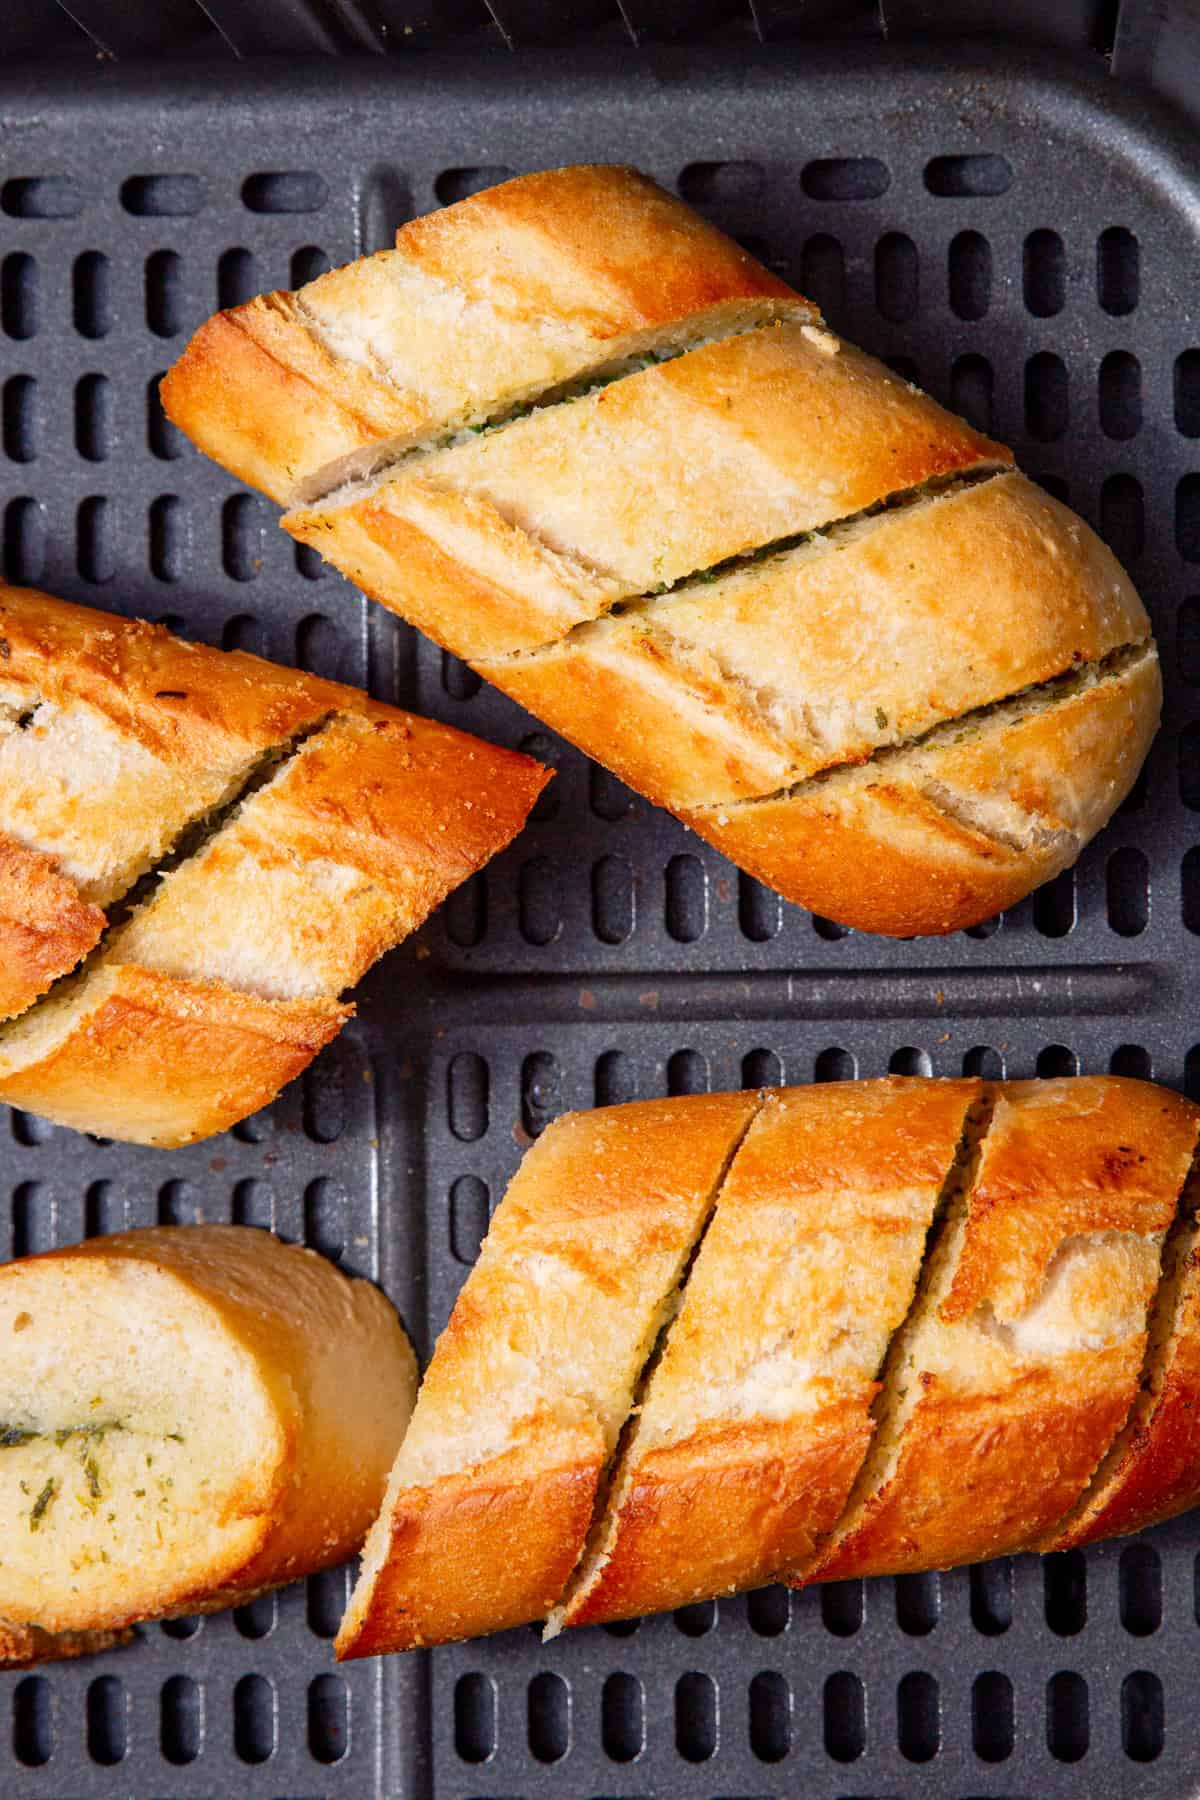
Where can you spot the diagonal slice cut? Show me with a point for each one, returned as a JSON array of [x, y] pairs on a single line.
[[1150, 1473], [737, 444], [491, 1498], [935, 836], [1024, 1346], [863, 636], [757, 1417]]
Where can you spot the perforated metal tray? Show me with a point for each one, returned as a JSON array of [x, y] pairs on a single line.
[[1023, 240]]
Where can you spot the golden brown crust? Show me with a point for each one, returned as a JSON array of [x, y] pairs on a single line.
[[531, 1380], [726, 1509], [1024, 1354], [45, 928], [598, 243], [941, 836], [187, 703], [742, 442], [507, 293], [413, 804], [159, 1061], [756, 1419], [481, 1551]]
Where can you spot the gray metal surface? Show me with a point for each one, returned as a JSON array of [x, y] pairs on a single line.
[[957, 215]]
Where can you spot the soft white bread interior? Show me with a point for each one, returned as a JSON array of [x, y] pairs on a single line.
[[883, 1326], [493, 1493], [188, 1415], [327, 850], [752, 1425], [489, 305], [505, 542]]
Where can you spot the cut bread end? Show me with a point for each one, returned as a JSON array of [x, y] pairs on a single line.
[[140, 1453]]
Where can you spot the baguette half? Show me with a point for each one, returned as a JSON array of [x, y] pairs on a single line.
[[492, 1496], [486, 306], [583, 558], [915, 1318], [190, 1415]]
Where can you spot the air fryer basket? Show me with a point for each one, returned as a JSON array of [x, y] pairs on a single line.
[[1024, 240]]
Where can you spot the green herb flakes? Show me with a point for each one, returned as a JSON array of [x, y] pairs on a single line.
[[42, 1503]]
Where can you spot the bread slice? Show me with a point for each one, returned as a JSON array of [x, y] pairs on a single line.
[[28, 1646], [489, 305], [505, 542], [756, 1419], [864, 635], [491, 1498], [115, 738], [342, 855], [125, 1052], [1020, 1360], [1152, 1470], [937, 835], [190, 1416], [226, 980]]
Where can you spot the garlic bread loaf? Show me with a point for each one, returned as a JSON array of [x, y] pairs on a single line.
[[190, 1415], [754, 572], [901, 1325], [249, 895]]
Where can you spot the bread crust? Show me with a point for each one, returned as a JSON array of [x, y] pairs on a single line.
[[1026, 1349], [862, 638], [744, 441], [28, 1646], [329, 1353], [187, 703], [493, 300], [753, 1424], [154, 1060], [944, 835], [45, 928], [519, 1413]]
